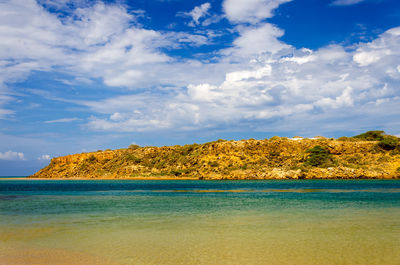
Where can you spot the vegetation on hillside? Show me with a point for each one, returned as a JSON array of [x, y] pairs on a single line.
[[369, 155], [319, 157]]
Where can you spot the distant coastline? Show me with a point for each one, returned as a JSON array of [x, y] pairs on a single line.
[[372, 155]]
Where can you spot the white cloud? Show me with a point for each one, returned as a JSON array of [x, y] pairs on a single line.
[[244, 75], [128, 125], [197, 13], [44, 158], [258, 83], [346, 2], [203, 92], [364, 58], [64, 4], [27, 41], [257, 40], [179, 39], [100, 23], [343, 100], [95, 41], [289, 90], [211, 20], [394, 31], [250, 11], [126, 78], [64, 120], [117, 116], [10, 155]]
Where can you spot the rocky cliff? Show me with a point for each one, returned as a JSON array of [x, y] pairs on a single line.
[[275, 158]]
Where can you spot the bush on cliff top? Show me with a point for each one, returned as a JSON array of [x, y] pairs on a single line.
[[371, 136], [385, 142]]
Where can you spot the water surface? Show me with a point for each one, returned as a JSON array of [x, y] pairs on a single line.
[[199, 222]]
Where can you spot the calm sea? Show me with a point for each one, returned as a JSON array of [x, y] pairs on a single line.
[[199, 222]]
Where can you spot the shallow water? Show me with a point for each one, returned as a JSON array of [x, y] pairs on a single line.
[[199, 222]]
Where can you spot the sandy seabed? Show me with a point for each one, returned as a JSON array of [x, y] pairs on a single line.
[[49, 257]]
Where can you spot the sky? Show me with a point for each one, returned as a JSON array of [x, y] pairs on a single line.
[[79, 75]]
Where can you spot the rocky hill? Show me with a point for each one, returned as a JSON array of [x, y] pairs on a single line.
[[358, 157]]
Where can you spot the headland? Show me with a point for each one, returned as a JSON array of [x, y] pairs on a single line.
[[371, 155]]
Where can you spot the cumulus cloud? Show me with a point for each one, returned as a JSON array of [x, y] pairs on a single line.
[[327, 87], [381, 50], [257, 40], [10, 155], [94, 41], [250, 11], [259, 83]]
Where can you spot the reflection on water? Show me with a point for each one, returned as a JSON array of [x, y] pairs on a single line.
[[199, 222]]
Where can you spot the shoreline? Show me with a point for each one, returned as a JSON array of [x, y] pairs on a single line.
[[133, 178], [189, 178]]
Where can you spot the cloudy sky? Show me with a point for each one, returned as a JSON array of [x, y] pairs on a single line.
[[81, 75]]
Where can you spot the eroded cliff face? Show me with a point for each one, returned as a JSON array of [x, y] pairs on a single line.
[[278, 158]]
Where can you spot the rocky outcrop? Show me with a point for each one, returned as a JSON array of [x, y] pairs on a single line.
[[276, 158]]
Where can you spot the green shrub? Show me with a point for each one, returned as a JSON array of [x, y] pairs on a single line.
[[355, 159], [389, 143], [318, 157], [395, 151], [134, 146], [133, 158], [186, 149], [383, 159], [179, 172], [371, 136], [91, 158], [176, 172]]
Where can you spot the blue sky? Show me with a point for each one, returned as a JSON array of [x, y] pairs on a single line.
[[80, 75]]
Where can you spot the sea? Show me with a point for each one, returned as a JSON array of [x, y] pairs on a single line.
[[199, 222]]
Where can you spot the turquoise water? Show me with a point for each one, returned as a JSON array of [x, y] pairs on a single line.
[[199, 222]]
